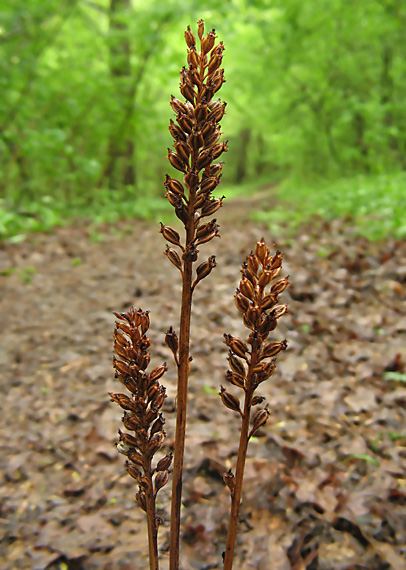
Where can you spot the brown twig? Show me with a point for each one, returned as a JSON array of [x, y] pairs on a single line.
[[260, 314]]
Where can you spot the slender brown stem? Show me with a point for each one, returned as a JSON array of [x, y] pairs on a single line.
[[239, 476], [151, 521], [183, 374], [239, 471]]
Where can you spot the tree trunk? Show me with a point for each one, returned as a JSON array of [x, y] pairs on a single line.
[[242, 156], [121, 143]]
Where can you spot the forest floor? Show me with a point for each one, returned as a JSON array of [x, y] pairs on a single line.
[[325, 480]]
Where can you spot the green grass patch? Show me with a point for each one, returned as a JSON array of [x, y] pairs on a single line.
[[375, 204]]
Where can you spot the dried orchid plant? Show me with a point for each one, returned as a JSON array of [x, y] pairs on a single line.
[[196, 135]]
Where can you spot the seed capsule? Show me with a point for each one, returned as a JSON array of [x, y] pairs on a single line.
[[229, 480], [164, 463], [158, 372], [260, 419], [176, 161], [236, 365], [261, 251], [279, 286], [189, 37], [235, 379], [229, 400], [173, 257], [171, 340], [241, 302], [140, 497], [236, 344], [170, 234], [272, 349], [161, 480], [133, 470]]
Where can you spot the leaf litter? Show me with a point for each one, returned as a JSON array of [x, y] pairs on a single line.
[[325, 484]]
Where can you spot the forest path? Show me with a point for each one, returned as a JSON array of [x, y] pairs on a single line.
[[324, 481]]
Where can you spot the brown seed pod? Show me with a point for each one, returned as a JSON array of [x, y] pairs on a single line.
[[158, 372], [123, 401], [161, 480], [133, 470], [241, 302], [260, 419], [235, 379], [176, 161], [261, 252], [238, 346], [141, 500], [171, 340], [164, 463], [229, 480], [170, 234], [173, 257], [280, 286], [272, 349], [236, 365], [229, 400]]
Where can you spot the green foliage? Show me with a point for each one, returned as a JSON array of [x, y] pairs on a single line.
[[375, 204], [315, 90]]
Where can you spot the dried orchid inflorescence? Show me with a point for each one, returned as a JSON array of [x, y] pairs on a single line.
[[197, 147], [196, 135], [252, 361], [142, 414]]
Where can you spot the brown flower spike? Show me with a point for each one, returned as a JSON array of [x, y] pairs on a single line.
[[196, 148], [252, 362], [142, 414]]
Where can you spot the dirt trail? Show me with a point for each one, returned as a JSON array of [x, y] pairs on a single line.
[[325, 483]]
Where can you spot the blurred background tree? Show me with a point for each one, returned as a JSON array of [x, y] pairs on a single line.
[[315, 90]]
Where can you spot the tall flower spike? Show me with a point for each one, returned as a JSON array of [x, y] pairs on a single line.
[[196, 148], [142, 414], [196, 135], [252, 362]]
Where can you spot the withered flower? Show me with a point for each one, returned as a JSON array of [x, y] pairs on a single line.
[[252, 362], [142, 410], [196, 135]]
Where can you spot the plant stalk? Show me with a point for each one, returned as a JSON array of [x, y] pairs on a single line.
[[183, 375], [151, 521], [239, 471]]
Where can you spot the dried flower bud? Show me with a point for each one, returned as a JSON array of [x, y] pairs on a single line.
[[176, 161], [130, 421], [123, 401], [173, 257], [161, 480], [272, 349], [171, 340], [178, 106], [235, 379], [264, 279], [208, 42], [200, 29], [241, 302], [247, 289], [229, 400], [141, 500], [170, 234], [268, 301], [237, 345], [134, 471], [261, 251], [279, 286], [229, 480], [278, 311], [155, 442], [164, 463], [236, 365], [204, 269], [128, 439], [158, 425], [260, 419], [174, 186], [211, 207], [189, 37], [158, 372], [135, 457], [257, 400]]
